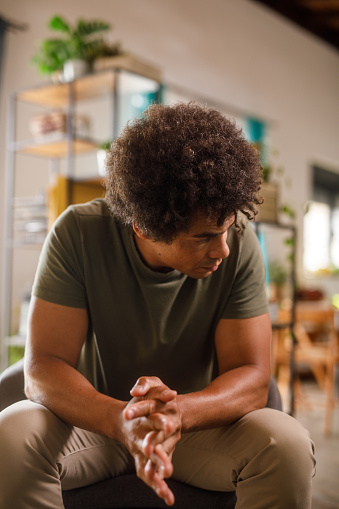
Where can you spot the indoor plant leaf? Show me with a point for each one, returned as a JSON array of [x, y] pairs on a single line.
[[90, 27], [60, 24]]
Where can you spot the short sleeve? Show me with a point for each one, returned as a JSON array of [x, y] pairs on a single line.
[[248, 296], [60, 275]]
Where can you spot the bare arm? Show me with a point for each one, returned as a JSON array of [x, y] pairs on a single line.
[[56, 335], [243, 353]]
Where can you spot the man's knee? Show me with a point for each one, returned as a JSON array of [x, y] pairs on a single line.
[[278, 464], [24, 417], [24, 428], [30, 436], [280, 443], [19, 420]]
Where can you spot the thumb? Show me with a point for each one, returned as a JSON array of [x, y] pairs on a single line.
[[140, 388]]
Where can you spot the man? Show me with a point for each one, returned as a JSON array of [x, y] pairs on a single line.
[[149, 337]]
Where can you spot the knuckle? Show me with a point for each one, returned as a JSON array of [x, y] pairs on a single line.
[[137, 463], [139, 473]]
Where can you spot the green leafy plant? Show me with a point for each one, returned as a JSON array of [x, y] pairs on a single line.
[[104, 49], [275, 173], [272, 170], [269, 170], [81, 41], [266, 173], [105, 145], [277, 273], [289, 212]]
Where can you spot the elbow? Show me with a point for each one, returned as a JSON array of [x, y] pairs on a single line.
[[263, 393], [28, 389], [30, 384], [33, 392]]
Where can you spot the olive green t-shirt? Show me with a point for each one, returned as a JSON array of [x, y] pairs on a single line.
[[144, 322]]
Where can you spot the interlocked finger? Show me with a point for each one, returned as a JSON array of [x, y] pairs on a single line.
[[152, 476]]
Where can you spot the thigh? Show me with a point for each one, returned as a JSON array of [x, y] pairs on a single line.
[[44, 443], [87, 458], [218, 459]]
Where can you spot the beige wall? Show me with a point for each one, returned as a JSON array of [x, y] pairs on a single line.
[[235, 52]]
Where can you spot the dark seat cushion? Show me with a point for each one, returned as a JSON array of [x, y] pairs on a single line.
[[12, 385], [127, 491]]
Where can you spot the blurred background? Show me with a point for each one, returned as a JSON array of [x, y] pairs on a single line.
[[71, 76]]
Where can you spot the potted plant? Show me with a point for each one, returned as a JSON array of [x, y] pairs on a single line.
[[79, 43], [268, 211], [277, 274], [271, 210]]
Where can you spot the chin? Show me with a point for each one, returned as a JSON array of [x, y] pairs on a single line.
[[200, 276]]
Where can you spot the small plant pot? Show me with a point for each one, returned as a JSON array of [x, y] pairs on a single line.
[[101, 156], [74, 69]]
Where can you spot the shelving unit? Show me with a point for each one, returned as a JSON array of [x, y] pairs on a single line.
[[266, 227], [121, 87]]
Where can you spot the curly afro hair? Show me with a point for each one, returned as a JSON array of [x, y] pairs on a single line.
[[175, 161]]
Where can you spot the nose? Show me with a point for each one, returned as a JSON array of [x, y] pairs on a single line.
[[219, 248]]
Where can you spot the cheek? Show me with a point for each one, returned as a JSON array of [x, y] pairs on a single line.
[[190, 255], [197, 254]]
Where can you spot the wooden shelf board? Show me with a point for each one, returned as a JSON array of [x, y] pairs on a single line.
[[58, 94], [56, 148]]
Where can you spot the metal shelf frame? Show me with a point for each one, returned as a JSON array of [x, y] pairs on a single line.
[[66, 96], [258, 226]]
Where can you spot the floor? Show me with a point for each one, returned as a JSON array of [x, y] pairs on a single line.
[[310, 412]]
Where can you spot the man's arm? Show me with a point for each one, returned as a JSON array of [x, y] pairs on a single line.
[[243, 353], [56, 335]]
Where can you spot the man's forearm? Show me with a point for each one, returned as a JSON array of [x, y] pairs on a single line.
[[67, 393], [227, 398]]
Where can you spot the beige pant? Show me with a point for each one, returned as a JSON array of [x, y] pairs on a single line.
[[267, 456]]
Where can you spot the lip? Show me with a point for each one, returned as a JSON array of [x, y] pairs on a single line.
[[212, 268]]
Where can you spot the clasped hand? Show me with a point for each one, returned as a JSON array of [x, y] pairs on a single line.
[[152, 428]]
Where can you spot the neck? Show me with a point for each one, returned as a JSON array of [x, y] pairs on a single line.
[[147, 250]]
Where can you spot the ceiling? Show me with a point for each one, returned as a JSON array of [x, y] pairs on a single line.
[[320, 17]]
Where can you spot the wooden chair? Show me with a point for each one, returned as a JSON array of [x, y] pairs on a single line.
[[316, 348]]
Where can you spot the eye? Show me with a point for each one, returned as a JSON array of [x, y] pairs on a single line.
[[203, 241]]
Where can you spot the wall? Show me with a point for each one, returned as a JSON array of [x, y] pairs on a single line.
[[237, 53]]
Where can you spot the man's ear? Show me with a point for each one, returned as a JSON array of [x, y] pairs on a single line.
[[139, 232]]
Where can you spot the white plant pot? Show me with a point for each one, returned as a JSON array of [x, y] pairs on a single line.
[[74, 69], [101, 156]]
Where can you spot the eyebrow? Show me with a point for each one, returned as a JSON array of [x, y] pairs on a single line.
[[212, 234], [207, 234]]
